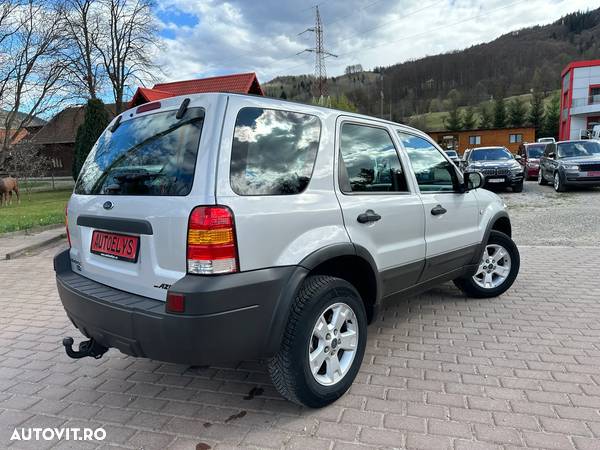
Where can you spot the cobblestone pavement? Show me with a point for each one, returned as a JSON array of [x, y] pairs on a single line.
[[440, 371]]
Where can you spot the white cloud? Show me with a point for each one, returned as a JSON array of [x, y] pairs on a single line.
[[262, 36]]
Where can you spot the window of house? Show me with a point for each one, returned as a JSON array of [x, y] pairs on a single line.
[[433, 171], [369, 161], [474, 140], [273, 151], [515, 138]]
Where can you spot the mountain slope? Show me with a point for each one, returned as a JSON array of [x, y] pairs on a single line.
[[513, 64]]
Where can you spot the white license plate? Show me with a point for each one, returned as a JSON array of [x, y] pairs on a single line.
[[496, 180]]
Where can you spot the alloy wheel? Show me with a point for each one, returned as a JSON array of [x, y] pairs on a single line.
[[556, 181], [494, 267], [333, 344]]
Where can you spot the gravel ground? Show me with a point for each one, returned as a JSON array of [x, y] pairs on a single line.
[[541, 216]]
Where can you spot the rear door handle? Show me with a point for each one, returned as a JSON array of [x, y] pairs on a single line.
[[438, 210], [368, 216]]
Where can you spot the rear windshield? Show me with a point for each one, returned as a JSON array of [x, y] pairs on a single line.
[[150, 155]]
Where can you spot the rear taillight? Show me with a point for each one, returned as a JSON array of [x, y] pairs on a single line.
[[67, 223], [211, 245]]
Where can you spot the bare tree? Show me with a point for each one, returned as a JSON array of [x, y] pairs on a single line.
[[33, 72], [83, 19], [27, 162], [127, 48]]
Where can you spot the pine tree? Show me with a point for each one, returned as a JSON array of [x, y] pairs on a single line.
[[516, 112], [536, 112], [552, 117], [453, 119], [468, 121], [283, 95], [486, 117], [499, 113], [94, 122]]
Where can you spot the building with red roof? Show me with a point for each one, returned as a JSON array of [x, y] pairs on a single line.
[[242, 83]]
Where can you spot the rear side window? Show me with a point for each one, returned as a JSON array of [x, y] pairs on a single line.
[[149, 155], [273, 151]]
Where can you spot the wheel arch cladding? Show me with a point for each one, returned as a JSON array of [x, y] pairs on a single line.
[[502, 224], [346, 261]]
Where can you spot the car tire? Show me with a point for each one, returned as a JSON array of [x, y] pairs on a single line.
[[541, 180], [558, 184], [476, 285], [518, 187], [294, 370]]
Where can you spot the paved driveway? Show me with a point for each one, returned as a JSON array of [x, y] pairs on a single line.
[[440, 371]]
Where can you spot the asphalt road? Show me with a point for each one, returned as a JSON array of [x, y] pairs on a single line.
[[541, 216]]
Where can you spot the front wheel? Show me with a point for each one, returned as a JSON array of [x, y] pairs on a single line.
[[559, 185], [497, 269], [323, 343], [541, 180], [518, 187]]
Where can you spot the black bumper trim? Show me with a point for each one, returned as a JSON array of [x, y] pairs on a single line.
[[230, 320]]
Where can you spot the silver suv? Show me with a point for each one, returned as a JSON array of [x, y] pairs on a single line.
[[223, 227]]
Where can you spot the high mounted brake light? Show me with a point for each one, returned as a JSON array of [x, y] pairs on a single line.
[[147, 107], [211, 244]]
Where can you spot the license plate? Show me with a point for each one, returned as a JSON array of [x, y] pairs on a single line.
[[595, 173], [116, 246], [496, 180]]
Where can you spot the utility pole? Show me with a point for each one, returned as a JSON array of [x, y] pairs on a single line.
[[381, 93], [320, 55]]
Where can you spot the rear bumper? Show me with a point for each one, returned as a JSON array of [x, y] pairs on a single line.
[[230, 317]]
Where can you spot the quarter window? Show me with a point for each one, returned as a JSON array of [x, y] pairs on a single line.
[[434, 172], [515, 138], [369, 161], [273, 151], [474, 140]]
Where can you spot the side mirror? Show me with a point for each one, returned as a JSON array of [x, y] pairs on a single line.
[[473, 180], [518, 157], [551, 155]]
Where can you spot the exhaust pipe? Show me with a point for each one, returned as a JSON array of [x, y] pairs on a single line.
[[86, 348]]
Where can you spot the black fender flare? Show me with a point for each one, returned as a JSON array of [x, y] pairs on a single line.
[[486, 234], [281, 313]]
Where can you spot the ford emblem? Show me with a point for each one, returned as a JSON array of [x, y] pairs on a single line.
[[107, 205]]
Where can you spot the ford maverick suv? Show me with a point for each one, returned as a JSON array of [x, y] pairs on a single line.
[[221, 227]]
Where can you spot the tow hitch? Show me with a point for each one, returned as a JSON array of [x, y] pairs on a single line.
[[86, 348]]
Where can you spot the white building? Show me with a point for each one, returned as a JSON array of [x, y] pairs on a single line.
[[580, 99]]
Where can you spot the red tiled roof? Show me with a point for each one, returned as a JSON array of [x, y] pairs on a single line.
[[243, 83]]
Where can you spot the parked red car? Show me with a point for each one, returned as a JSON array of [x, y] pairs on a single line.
[[530, 158]]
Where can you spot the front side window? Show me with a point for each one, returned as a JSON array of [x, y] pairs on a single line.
[[474, 140], [434, 172], [149, 155], [369, 161], [273, 151], [515, 138]]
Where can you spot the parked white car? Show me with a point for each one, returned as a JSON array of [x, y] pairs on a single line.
[[220, 227]]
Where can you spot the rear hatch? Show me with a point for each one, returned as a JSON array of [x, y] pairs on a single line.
[[129, 213]]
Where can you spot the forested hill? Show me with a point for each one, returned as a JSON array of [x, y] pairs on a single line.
[[515, 63]]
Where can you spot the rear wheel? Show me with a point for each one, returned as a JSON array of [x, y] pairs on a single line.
[[559, 185], [497, 269], [323, 343], [541, 180]]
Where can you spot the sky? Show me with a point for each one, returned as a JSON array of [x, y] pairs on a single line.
[[211, 37]]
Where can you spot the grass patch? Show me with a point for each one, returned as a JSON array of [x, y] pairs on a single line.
[[41, 208]]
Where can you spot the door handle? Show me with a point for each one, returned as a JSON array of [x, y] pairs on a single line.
[[438, 210], [368, 216]]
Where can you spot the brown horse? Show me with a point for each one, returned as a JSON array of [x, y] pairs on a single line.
[[7, 187]]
